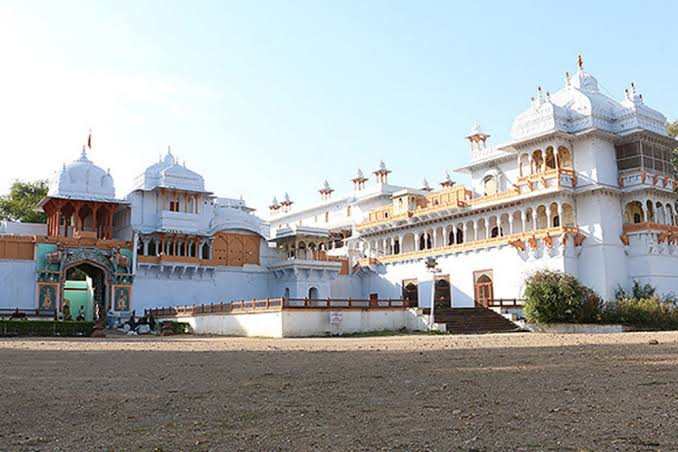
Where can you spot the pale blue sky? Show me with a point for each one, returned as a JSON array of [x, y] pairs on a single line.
[[263, 97]]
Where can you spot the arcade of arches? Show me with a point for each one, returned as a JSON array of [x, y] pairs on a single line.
[[650, 211], [227, 249], [456, 232], [78, 219]]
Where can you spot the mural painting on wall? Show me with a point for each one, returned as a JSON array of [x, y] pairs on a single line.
[[121, 297], [47, 297]]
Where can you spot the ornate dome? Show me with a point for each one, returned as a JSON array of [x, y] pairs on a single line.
[[82, 179], [581, 106]]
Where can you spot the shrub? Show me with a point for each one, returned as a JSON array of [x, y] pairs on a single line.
[[643, 308], [181, 328], [45, 328], [554, 296]]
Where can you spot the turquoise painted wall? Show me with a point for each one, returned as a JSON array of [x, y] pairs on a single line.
[[80, 293]]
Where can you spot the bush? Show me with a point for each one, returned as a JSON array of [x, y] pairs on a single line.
[[45, 328], [643, 308], [181, 328], [554, 296]]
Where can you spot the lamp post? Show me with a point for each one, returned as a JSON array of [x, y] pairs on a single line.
[[432, 267]]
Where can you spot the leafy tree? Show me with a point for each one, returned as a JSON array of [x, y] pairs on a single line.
[[19, 204]]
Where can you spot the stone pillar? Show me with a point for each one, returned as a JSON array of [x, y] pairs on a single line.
[[534, 219], [548, 217], [487, 228], [435, 237]]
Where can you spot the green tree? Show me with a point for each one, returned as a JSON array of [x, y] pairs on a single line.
[[20, 203]]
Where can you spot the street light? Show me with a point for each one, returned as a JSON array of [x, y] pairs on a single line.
[[432, 267]]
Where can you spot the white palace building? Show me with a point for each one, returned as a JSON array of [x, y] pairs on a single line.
[[586, 186]]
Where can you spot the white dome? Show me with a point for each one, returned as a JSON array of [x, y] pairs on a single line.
[[82, 179]]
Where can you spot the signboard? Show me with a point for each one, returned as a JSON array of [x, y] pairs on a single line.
[[336, 318]]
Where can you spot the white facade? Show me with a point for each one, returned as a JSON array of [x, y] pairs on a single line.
[[584, 186]]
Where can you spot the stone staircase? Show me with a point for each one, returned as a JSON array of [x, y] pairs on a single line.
[[476, 320]]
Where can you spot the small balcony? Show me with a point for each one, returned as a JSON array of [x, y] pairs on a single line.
[[170, 221]]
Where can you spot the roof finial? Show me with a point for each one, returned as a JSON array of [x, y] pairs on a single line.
[[580, 61], [83, 154], [567, 78]]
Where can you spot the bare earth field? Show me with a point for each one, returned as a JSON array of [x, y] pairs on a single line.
[[492, 392]]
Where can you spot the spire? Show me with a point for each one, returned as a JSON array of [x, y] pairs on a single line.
[[83, 154], [580, 62], [425, 185]]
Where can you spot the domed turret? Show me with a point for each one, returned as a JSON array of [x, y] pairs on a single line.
[[84, 180]]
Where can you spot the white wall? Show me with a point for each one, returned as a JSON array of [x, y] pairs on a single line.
[[17, 284], [226, 285], [291, 323], [509, 269]]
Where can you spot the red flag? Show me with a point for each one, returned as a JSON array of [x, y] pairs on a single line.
[[89, 139]]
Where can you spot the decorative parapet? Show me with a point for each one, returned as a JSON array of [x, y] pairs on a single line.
[[642, 179], [665, 233]]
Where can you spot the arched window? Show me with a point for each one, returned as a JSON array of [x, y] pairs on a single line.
[[411, 292], [490, 185], [396, 246], [313, 293], [564, 158], [537, 162], [633, 212], [556, 221], [443, 295], [550, 160], [484, 288], [496, 232], [286, 294]]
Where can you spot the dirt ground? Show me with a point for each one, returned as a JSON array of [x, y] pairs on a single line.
[[490, 392]]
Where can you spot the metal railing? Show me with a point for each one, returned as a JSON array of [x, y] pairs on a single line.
[[26, 313], [506, 303]]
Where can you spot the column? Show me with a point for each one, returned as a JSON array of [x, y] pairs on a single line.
[[95, 223], [510, 220], [454, 235], [487, 228], [464, 231], [76, 223], [548, 217], [475, 230], [435, 237], [109, 235], [534, 219], [145, 247], [560, 215], [523, 219]]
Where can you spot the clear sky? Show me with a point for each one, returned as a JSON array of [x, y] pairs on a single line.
[[263, 97]]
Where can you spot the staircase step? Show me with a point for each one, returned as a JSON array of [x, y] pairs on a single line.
[[476, 320]]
